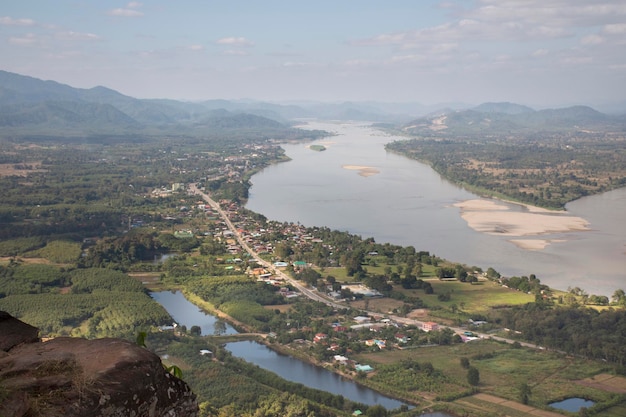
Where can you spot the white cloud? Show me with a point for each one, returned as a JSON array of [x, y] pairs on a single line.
[[196, 47], [592, 40], [9, 21], [552, 13], [615, 29], [488, 35], [408, 58], [26, 40], [503, 58], [125, 13], [77, 36], [235, 52], [295, 64], [513, 20], [234, 41], [358, 63], [577, 60]]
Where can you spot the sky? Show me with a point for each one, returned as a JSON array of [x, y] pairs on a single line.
[[536, 52]]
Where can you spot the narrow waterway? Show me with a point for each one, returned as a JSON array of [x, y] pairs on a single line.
[[295, 370], [402, 201], [186, 313]]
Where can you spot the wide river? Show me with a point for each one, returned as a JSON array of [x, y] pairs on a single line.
[[407, 203]]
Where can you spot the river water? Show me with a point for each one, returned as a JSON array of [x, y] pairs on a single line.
[[407, 203]]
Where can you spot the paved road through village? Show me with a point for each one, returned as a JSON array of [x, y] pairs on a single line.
[[316, 296]]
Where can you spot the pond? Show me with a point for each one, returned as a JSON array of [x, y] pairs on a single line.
[[572, 405]]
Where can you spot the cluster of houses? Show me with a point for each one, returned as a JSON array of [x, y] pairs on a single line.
[[361, 322], [263, 275]]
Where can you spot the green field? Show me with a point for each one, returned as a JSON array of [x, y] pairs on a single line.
[[474, 298], [469, 298], [503, 368]]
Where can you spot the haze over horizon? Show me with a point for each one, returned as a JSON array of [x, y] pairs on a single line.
[[539, 53]]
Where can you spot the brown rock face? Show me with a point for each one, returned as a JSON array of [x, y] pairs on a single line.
[[13, 332], [79, 377]]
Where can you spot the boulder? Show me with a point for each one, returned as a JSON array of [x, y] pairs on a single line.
[[14, 332], [78, 377]]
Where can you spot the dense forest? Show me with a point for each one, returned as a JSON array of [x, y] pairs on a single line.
[[580, 331]]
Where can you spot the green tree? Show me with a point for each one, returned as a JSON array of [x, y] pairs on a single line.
[[524, 393], [619, 297], [473, 376], [376, 411]]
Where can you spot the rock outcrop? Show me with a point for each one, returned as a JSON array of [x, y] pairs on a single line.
[[78, 377]]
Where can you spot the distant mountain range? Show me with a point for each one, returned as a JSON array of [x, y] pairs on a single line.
[[507, 118], [33, 106], [36, 105]]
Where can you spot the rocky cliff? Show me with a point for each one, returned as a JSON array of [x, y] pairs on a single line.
[[78, 377]]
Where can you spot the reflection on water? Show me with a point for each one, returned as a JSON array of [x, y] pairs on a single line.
[[572, 404], [312, 376], [188, 314]]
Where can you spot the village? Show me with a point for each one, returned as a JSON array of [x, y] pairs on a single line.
[[253, 243]]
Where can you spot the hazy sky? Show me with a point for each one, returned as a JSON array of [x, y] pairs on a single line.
[[536, 52]]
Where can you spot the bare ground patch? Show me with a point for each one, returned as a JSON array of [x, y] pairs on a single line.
[[150, 280], [283, 307], [20, 170], [381, 305], [7, 259], [526, 409], [605, 382]]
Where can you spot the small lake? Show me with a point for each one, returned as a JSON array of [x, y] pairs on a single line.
[[188, 314], [572, 405], [304, 373]]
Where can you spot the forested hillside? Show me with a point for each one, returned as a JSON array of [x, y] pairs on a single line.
[[545, 158]]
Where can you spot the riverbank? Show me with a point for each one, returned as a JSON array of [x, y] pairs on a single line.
[[496, 218]]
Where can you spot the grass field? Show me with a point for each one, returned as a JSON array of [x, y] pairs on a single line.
[[428, 271], [474, 298], [470, 298], [503, 368]]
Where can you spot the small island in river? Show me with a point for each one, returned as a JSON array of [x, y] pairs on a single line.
[[317, 148]]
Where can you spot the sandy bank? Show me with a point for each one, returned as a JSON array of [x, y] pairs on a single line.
[[534, 244], [364, 171], [492, 217]]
